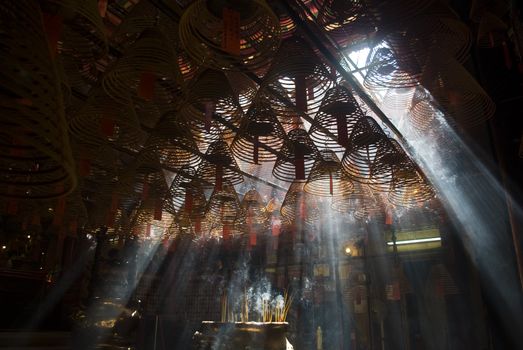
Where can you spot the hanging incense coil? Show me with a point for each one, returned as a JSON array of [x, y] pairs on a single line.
[[219, 165], [360, 203], [101, 121], [35, 155], [422, 112], [296, 158], [367, 143], [223, 205], [457, 93], [187, 194], [258, 127], [344, 21], [212, 110], [143, 70], [243, 87], [150, 211], [327, 178], [397, 101], [492, 31], [390, 13], [386, 70], [303, 77], [337, 115], [174, 149], [143, 179], [232, 35], [386, 165], [299, 206], [253, 206], [410, 188]]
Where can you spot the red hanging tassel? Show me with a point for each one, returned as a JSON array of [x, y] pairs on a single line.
[[114, 202], [102, 8], [226, 232], [145, 191], [146, 86], [275, 227], [341, 125], [84, 167], [388, 216], [148, 230], [197, 226], [53, 25], [252, 239], [299, 163], [73, 227], [219, 177], [303, 208], [107, 126], [506, 56], [59, 211], [231, 31], [188, 201], [209, 111], [331, 184], [256, 145], [301, 93], [158, 209]]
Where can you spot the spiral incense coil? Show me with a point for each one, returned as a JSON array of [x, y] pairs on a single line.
[[243, 87], [457, 92], [360, 203], [367, 142], [410, 188], [302, 75], [344, 21], [298, 205], [35, 155], [422, 112], [259, 126], [386, 165], [296, 158], [327, 178], [144, 180], [397, 101], [219, 165], [223, 205], [144, 71], [253, 206], [232, 35], [212, 109], [386, 70], [391, 13], [492, 31], [337, 115], [175, 149], [186, 194], [151, 212]]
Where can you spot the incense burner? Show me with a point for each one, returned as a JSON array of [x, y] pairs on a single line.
[[241, 335]]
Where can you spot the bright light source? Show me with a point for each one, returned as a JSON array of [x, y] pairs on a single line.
[[28, 236], [4, 247], [414, 241], [347, 250]]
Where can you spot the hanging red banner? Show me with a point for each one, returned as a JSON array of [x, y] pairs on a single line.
[[252, 239], [219, 177], [53, 25], [209, 111], [84, 167], [256, 145], [146, 86], [158, 209], [59, 211], [148, 230], [102, 8], [188, 201], [107, 125], [145, 191], [226, 232], [197, 226], [299, 163], [301, 93], [231, 31], [342, 128], [275, 227]]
